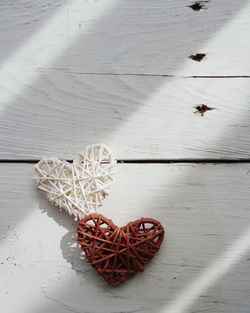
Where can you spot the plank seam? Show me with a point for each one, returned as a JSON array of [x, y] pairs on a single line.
[[149, 74], [147, 161]]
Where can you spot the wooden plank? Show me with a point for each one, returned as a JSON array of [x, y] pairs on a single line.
[[139, 117], [205, 209], [153, 37], [22, 19]]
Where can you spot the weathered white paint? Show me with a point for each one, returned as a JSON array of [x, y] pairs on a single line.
[[219, 268], [60, 32], [48, 105], [154, 37], [139, 117], [204, 208], [52, 103]]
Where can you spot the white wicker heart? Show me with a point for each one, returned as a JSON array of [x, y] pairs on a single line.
[[79, 187]]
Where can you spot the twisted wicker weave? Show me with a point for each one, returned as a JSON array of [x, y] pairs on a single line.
[[119, 252], [79, 187]]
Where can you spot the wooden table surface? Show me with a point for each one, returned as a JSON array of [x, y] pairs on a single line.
[[166, 84]]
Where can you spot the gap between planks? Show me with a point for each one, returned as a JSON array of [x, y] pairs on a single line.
[[149, 74], [150, 161]]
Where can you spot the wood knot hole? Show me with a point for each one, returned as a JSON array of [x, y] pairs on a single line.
[[198, 5], [198, 57], [201, 109]]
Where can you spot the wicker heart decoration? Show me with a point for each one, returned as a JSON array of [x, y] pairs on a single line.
[[79, 187], [118, 253]]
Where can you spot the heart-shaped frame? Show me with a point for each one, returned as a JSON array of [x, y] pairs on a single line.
[[79, 187], [118, 253]]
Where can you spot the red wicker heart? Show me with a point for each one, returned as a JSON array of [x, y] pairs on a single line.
[[119, 252]]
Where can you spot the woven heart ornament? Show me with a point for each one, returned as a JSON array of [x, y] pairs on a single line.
[[118, 253], [79, 187]]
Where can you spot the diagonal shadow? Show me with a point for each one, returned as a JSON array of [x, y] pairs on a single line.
[[120, 41], [183, 255], [187, 231], [20, 19], [183, 230], [44, 89]]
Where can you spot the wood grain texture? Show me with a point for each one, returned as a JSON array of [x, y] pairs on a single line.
[[122, 74], [153, 37], [204, 208], [139, 117], [54, 107]]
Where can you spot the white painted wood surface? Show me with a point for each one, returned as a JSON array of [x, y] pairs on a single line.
[[139, 117], [119, 72], [204, 208], [53, 103], [153, 37]]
